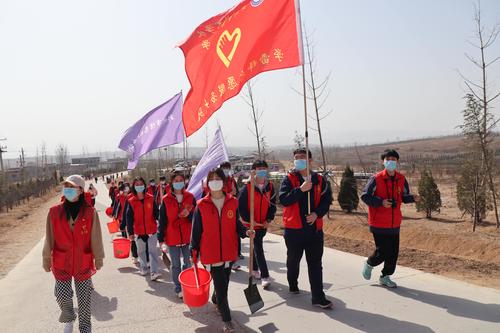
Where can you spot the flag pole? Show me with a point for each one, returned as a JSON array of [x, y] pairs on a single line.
[[306, 134]]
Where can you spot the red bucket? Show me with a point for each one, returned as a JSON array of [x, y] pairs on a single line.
[[121, 248], [113, 226], [109, 211], [193, 296]]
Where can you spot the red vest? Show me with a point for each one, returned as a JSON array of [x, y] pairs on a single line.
[[381, 217], [219, 240], [261, 205], [178, 229], [291, 214], [151, 189], [144, 220], [88, 198], [229, 184], [72, 253], [121, 198]]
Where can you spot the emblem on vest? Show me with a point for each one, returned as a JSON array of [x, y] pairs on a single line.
[[230, 214], [84, 230]]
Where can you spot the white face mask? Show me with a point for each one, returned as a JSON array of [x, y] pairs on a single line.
[[215, 185]]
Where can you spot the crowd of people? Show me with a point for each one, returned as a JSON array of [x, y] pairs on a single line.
[[165, 215]]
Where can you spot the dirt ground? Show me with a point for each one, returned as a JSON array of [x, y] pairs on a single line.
[[22, 228]]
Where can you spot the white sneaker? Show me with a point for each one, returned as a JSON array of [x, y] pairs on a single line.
[[180, 295], [266, 282], [135, 261], [256, 275], [155, 276], [143, 272], [68, 328]]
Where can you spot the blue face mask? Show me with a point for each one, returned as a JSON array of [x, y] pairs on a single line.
[[261, 173], [178, 185], [227, 172], [70, 193], [139, 188], [300, 164], [390, 165]]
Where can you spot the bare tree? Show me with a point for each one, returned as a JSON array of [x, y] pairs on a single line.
[[318, 91], [256, 115], [61, 156], [483, 39]]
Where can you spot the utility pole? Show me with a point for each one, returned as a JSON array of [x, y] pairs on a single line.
[[3, 149]]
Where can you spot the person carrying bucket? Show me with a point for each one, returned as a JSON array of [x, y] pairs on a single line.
[[174, 230], [142, 214], [73, 250], [264, 211], [215, 233], [119, 210]]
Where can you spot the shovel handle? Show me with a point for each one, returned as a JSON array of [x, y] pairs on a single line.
[[194, 254]]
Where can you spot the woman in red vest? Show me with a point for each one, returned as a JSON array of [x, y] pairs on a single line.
[[73, 250], [176, 212], [264, 211], [216, 229], [142, 214]]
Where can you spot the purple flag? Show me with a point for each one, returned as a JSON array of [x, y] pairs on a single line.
[[215, 154], [158, 128]]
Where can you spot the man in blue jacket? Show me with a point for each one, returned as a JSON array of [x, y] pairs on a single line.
[[305, 199]]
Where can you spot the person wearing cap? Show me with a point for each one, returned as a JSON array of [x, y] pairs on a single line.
[[383, 194], [264, 211], [142, 214], [73, 251], [306, 198]]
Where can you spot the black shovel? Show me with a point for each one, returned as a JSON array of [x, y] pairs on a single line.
[[252, 295]]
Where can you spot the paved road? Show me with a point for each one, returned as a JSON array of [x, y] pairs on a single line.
[[126, 302]]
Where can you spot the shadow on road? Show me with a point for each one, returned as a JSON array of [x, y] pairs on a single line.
[[456, 306], [102, 306], [360, 320]]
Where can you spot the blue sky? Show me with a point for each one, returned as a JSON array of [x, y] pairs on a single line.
[[81, 72]]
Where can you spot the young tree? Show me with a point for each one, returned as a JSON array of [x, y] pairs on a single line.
[[298, 140], [471, 192], [318, 91], [430, 196], [256, 114], [482, 92], [348, 195]]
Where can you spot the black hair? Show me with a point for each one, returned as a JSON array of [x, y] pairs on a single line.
[[152, 180], [162, 178], [226, 164], [136, 179], [259, 164], [302, 151], [389, 153], [175, 174], [219, 172]]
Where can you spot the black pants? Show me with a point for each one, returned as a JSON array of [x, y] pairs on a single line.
[[220, 276], [133, 246], [239, 246], [313, 247], [259, 259], [386, 251]]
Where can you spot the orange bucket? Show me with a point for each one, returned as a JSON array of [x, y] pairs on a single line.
[[113, 226], [195, 296], [121, 248]]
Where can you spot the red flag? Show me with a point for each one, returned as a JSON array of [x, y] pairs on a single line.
[[229, 49]]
